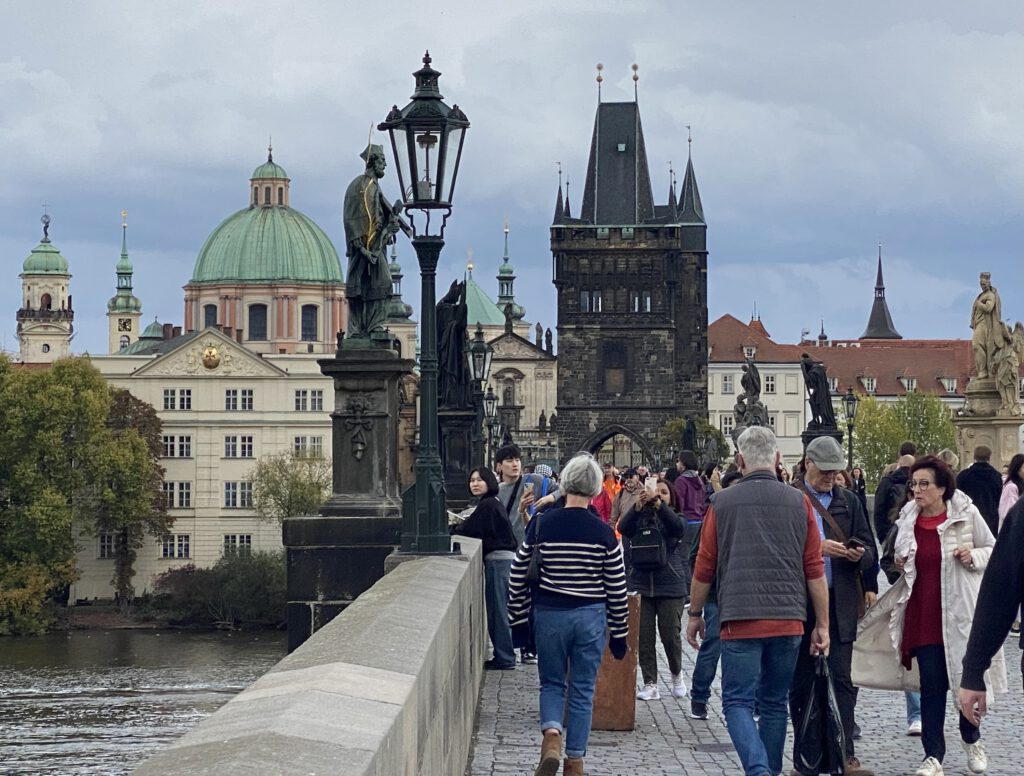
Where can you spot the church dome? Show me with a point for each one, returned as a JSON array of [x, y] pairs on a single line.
[[45, 259], [269, 169], [155, 330]]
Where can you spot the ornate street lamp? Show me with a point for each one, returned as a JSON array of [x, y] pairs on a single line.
[[426, 140], [491, 413], [479, 354], [850, 402]]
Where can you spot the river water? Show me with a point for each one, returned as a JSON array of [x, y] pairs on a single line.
[[100, 702]]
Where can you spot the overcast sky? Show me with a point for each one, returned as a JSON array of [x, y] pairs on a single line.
[[819, 131]]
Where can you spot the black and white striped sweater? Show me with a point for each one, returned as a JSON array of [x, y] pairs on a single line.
[[581, 565]]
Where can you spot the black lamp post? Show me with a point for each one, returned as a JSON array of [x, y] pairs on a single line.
[[479, 354], [491, 413], [426, 140], [850, 402]]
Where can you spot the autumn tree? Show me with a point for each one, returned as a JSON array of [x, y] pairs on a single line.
[[289, 484]]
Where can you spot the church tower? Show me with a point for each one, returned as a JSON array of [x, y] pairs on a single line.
[[506, 285], [45, 320], [880, 325], [124, 310], [631, 280]]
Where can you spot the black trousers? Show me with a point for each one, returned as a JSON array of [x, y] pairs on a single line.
[[840, 658], [931, 662]]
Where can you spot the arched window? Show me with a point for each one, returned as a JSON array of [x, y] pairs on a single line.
[[309, 323], [257, 322], [266, 195], [280, 195], [123, 342], [45, 302], [209, 315], [255, 195]]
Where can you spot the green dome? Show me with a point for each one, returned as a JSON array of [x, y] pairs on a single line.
[[45, 259], [269, 169], [267, 245], [155, 330], [124, 303], [506, 269]]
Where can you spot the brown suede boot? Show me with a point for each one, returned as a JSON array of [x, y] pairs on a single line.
[[573, 766], [550, 754]]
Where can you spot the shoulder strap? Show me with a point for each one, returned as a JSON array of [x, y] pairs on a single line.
[[512, 494], [824, 512]]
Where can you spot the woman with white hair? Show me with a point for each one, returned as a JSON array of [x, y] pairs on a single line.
[[578, 599]]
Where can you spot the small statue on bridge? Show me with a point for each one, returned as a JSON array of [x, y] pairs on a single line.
[[819, 395]]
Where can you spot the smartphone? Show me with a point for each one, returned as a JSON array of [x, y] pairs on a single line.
[[853, 543], [651, 485], [527, 487]]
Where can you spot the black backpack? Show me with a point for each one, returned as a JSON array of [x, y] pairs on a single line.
[[648, 551]]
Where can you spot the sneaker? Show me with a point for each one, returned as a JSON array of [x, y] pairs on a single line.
[[678, 686], [1015, 628], [914, 727], [698, 710], [977, 760], [854, 768], [494, 665], [757, 712], [930, 767], [528, 658], [649, 693]]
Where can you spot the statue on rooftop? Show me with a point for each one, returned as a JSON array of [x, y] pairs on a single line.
[[990, 334]]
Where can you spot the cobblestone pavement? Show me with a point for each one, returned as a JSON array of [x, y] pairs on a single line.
[[666, 741]]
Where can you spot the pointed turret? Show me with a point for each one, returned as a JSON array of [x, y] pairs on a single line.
[[880, 325], [506, 285], [690, 209], [124, 310], [398, 310], [568, 211], [559, 207], [617, 190]]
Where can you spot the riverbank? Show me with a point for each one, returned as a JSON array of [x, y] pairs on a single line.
[[105, 617]]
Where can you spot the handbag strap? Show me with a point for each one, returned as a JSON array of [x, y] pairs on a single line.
[[824, 512]]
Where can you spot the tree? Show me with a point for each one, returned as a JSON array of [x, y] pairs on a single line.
[[882, 426], [289, 484]]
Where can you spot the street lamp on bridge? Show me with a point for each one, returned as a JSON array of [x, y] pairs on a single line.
[[426, 139], [850, 402], [491, 413], [479, 354]]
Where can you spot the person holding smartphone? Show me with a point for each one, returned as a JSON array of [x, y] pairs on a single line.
[[848, 549]]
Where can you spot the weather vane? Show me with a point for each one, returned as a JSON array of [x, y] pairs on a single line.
[[45, 221], [599, 79]]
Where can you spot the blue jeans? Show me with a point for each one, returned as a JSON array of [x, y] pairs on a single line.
[[758, 670], [569, 638], [913, 706], [496, 596], [706, 666]]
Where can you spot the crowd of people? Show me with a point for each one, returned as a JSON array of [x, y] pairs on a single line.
[[774, 571]]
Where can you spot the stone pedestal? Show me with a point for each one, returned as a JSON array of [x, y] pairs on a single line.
[[615, 693], [457, 449], [335, 556], [811, 434], [980, 423]]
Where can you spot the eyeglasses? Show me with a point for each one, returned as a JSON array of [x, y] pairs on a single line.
[[919, 484]]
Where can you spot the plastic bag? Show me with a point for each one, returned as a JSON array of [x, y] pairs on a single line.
[[820, 743]]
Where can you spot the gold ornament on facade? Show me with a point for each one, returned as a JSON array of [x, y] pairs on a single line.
[[211, 357]]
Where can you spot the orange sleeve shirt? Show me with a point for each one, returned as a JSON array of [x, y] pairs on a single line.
[[707, 564]]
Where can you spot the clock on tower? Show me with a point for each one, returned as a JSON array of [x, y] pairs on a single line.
[[124, 324]]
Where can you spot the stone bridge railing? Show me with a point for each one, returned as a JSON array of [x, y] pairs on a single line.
[[387, 688]]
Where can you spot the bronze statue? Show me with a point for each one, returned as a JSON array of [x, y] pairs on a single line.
[[987, 322], [452, 367], [819, 395], [371, 224]]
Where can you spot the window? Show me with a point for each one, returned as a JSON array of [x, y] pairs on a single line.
[[266, 195], [728, 422], [949, 383], [177, 546], [231, 399], [185, 399], [833, 384], [240, 544], [230, 447], [168, 443], [791, 385], [106, 546], [640, 301], [727, 384], [184, 495], [769, 383], [910, 383], [231, 494], [749, 351], [772, 420], [180, 447], [869, 384], [246, 399], [584, 301], [312, 446], [238, 494], [170, 396], [590, 301], [245, 447], [309, 323], [280, 195], [301, 401], [123, 342], [180, 399], [614, 366], [209, 315], [185, 447], [257, 322], [169, 495], [316, 400]]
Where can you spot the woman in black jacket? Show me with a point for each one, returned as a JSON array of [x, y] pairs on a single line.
[[489, 523], [662, 590], [860, 487]]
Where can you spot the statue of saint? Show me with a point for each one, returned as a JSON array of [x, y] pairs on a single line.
[[689, 434], [452, 367], [371, 224], [819, 396], [1006, 368], [989, 331], [751, 382]]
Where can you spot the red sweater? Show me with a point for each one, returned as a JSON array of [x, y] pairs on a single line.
[[923, 623]]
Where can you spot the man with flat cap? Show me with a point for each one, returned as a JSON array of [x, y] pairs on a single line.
[[848, 548]]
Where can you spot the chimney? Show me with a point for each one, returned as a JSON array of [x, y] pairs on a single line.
[[238, 336], [177, 332], [227, 330], [168, 331]]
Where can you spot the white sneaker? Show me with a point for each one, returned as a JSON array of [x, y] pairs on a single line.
[[977, 760], [930, 767], [649, 693], [678, 686], [914, 728]]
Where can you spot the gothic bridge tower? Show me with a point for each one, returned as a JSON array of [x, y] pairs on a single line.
[[631, 279]]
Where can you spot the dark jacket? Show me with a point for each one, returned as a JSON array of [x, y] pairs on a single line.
[[999, 600], [489, 523], [861, 489], [670, 581], [891, 490], [984, 485], [846, 510]]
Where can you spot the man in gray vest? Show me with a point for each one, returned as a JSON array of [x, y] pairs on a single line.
[[760, 540]]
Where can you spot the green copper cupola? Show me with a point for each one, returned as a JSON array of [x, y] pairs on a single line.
[[124, 300]]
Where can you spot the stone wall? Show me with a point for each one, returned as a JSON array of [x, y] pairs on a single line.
[[387, 688]]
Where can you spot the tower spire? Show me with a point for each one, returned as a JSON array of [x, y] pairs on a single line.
[[691, 210], [559, 204], [568, 212], [880, 325]]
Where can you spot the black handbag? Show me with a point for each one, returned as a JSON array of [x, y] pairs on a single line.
[[820, 743], [533, 570]]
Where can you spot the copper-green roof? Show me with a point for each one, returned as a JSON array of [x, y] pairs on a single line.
[[45, 259], [480, 308], [269, 169], [267, 245]]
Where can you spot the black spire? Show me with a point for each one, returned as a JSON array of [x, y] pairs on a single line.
[[559, 207], [690, 209], [880, 324], [673, 206], [568, 212], [618, 185]]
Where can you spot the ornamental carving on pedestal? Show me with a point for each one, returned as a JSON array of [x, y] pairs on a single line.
[[358, 405]]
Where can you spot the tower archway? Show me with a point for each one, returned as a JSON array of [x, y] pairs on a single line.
[[620, 446]]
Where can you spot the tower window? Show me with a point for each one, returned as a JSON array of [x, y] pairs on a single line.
[[280, 195], [123, 342], [257, 322], [506, 288], [255, 195], [45, 302], [613, 358], [209, 315], [309, 323], [266, 195]]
